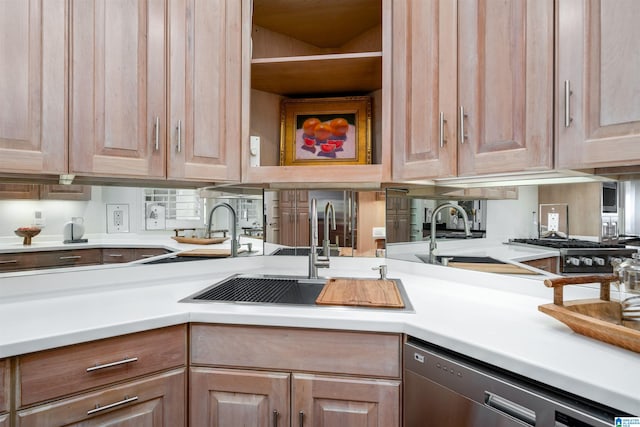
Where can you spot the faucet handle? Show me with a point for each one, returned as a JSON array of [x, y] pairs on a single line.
[[383, 271]]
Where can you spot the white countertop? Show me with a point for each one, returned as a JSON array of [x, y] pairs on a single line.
[[490, 317]]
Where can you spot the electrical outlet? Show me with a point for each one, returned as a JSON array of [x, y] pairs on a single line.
[[38, 219], [118, 218]]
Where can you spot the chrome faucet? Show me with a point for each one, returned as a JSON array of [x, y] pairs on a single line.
[[433, 245], [326, 243], [315, 261], [234, 236]]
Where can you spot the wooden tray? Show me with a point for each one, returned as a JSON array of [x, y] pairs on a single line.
[[199, 241], [600, 319], [361, 292]]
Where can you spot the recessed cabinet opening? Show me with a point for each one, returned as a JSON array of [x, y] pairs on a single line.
[[313, 49]]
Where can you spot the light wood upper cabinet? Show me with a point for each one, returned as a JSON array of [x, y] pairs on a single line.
[[314, 49], [598, 83], [156, 89], [476, 92], [205, 89], [505, 86], [424, 89], [118, 81], [33, 136]]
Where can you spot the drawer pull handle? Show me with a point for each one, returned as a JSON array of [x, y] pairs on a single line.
[[275, 418], [9, 261], [124, 401], [146, 255], [301, 418], [70, 257], [116, 255], [112, 364]]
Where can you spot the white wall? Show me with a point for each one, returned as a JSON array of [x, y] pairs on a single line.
[[512, 218]]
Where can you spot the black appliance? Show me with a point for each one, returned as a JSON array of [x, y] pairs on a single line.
[[609, 197], [581, 256]]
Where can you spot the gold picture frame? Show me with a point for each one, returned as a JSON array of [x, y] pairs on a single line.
[[325, 131]]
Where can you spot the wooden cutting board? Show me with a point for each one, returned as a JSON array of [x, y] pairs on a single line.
[[492, 268], [361, 292], [212, 253], [199, 241]]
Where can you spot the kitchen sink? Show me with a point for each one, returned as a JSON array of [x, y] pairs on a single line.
[[465, 259], [271, 289], [262, 289], [302, 251]]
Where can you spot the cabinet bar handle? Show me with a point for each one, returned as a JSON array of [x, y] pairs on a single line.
[[156, 128], [9, 261], [112, 364], [179, 129], [275, 418], [442, 122], [567, 102], [112, 405], [463, 115], [116, 255], [70, 257], [301, 418], [146, 255]]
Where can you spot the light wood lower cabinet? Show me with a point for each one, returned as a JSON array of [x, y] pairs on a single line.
[[153, 401], [256, 375], [4, 392], [236, 397]]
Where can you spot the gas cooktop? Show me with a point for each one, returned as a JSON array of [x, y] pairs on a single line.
[[567, 243]]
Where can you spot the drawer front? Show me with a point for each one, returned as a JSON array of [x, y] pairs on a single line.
[[159, 400], [115, 255], [97, 363], [68, 258], [4, 385], [16, 262], [547, 264], [291, 349], [142, 253]]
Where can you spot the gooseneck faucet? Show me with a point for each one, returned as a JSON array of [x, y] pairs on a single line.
[[326, 242], [234, 236], [433, 245], [315, 261]]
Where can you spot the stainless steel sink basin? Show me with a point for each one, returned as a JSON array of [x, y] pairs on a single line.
[[261, 289], [456, 258], [268, 289]]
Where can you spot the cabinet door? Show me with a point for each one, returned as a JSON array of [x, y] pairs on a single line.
[[205, 89], [505, 85], [65, 192], [157, 401], [4, 420], [33, 86], [117, 88], [424, 63], [333, 401], [223, 397], [599, 66], [4, 385], [19, 191]]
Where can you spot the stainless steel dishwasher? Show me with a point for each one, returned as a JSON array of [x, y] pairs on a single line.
[[442, 388]]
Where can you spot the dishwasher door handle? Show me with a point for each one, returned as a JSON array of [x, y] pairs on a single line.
[[510, 408]]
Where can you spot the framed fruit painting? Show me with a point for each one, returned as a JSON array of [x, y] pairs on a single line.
[[325, 131]]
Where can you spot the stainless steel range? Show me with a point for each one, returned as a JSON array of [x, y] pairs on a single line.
[[581, 256]]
